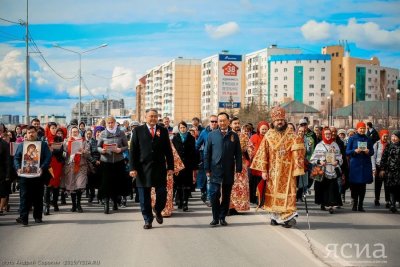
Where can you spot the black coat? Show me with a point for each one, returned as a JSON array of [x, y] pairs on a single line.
[[4, 160], [189, 156], [373, 135], [150, 157]]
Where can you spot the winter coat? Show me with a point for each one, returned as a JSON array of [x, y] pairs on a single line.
[[187, 152], [360, 164], [390, 163]]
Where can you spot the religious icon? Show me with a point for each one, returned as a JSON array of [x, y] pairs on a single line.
[[31, 159]]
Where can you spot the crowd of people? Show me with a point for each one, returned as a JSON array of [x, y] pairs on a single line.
[[272, 165]]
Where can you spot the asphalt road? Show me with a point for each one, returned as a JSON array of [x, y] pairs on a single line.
[[185, 239]]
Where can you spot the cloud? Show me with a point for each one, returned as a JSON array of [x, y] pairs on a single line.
[[367, 35], [12, 73], [124, 79], [223, 30]]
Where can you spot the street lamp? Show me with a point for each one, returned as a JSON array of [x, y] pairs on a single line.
[[352, 87], [397, 107], [388, 111], [332, 94], [329, 109], [80, 53]]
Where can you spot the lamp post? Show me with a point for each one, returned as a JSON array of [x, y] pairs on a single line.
[[80, 53], [397, 107], [388, 110], [332, 93], [352, 87], [329, 109]]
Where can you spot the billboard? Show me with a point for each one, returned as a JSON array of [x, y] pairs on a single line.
[[229, 81]]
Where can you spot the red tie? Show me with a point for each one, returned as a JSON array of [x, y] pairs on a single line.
[[152, 131]]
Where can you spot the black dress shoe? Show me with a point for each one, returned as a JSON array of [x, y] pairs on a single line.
[[223, 222], [289, 224], [214, 222], [38, 220], [47, 210], [159, 218], [361, 209], [274, 222], [21, 221], [147, 226]]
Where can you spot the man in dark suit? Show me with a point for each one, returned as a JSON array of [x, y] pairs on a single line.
[[150, 158], [222, 157], [372, 133]]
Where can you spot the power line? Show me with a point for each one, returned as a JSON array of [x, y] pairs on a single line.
[[13, 22], [37, 50]]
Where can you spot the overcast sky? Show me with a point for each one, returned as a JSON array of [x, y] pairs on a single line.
[[143, 34]]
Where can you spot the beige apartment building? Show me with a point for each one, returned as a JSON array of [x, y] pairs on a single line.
[[140, 99], [173, 88], [371, 81]]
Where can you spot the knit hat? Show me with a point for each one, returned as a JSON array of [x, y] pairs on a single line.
[[277, 113], [98, 128], [361, 124], [397, 133], [342, 131], [350, 130]]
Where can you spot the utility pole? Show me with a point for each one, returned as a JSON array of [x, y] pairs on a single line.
[[27, 67]]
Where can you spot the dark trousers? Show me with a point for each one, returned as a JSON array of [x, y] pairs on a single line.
[[253, 183], [31, 193], [358, 193], [145, 201], [378, 187], [220, 208]]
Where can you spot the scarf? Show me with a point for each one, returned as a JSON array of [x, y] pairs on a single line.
[[112, 130], [326, 141], [76, 157], [381, 133], [183, 136]]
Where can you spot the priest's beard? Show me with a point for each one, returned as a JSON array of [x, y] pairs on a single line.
[[281, 128]]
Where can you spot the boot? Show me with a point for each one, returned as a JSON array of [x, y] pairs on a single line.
[[73, 198], [63, 200], [355, 204], [361, 201], [56, 192], [392, 203], [106, 205], [178, 198], [185, 199], [78, 201], [46, 200]]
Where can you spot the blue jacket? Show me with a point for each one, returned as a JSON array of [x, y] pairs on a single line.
[[202, 139], [360, 164], [222, 156]]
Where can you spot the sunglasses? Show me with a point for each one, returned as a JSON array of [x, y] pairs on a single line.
[[214, 121]]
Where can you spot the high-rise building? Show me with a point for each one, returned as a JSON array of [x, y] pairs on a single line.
[[300, 77], [222, 84], [372, 81], [173, 88], [98, 108], [6, 119], [140, 99], [256, 67]]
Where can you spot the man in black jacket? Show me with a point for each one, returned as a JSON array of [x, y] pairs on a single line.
[[150, 157], [372, 133], [222, 158], [32, 188]]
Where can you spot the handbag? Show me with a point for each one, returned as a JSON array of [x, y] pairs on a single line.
[[317, 172], [338, 172]]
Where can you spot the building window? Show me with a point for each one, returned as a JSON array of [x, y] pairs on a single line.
[[276, 70], [276, 86], [322, 78], [285, 94], [322, 69], [311, 78], [311, 103], [369, 79], [340, 82], [322, 86], [285, 70], [298, 61], [369, 71], [311, 86], [285, 86], [311, 94], [322, 94], [322, 103], [311, 69], [276, 78], [285, 78], [337, 54]]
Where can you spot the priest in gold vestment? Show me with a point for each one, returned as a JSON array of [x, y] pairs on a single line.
[[280, 158]]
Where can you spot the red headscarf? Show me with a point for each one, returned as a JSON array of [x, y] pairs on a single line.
[[382, 133], [330, 141], [261, 123], [49, 136], [361, 124]]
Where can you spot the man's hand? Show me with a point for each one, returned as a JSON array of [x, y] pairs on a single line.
[[357, 150], [381, 174], [133, 174], [264, 175], [366, 151]]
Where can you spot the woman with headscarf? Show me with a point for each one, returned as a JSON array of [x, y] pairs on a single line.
[[111, 145], [254, 143], [184, 144], [360, 149], [327, 154], [379, 147], [390, 169], [56, 167], [76, 167]]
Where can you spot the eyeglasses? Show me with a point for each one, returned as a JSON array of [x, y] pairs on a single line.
[[213, 121]]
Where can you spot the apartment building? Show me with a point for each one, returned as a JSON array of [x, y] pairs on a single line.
[[173, 88], [256, 68], [301, 77]]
